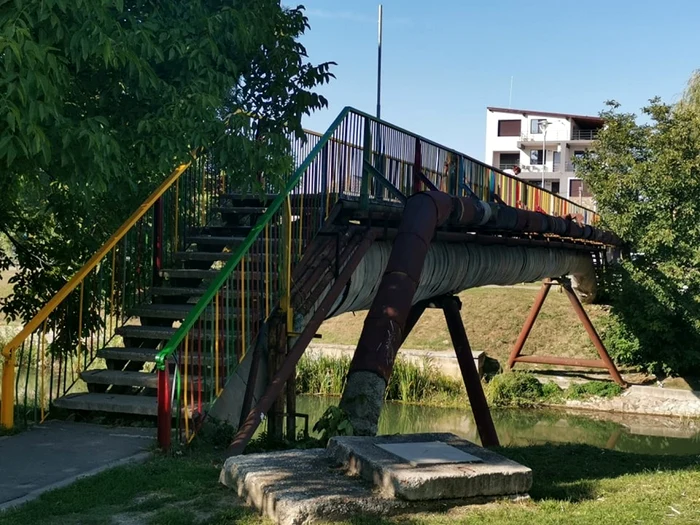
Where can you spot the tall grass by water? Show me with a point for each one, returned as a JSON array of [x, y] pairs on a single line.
[[410, 382]]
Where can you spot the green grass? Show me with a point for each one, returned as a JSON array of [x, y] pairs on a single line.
[[576, 484]]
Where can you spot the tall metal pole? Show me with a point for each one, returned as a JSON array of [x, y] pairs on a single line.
[[379, 66], [544, 153]]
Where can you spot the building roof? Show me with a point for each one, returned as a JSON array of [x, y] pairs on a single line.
[[525, 112]]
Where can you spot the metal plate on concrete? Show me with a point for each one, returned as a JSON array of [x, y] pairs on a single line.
[[429, 453]]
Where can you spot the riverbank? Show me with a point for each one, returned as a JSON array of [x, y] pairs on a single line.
[[423, 378]]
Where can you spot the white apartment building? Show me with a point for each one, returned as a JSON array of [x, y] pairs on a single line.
[[543, 145]]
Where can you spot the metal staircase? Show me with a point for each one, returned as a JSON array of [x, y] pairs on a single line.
[[128, 382]]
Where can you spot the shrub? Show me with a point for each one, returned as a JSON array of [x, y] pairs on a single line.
[[514, 389]]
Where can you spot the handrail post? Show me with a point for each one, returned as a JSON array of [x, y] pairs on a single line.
[[157, 241], [165, 417], [7, 412], [366, 157]]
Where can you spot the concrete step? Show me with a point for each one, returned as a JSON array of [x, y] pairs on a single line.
[[216, 240], [176, 273], [202, 256], [148, 355], [177, 291], [239, 210], [162, 333], [176, 312], [247, 199], [121, 404], [121, 378], [140, 355]]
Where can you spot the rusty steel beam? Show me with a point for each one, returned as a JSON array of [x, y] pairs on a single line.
[[470, 375], [256, 415], [592, 333], [529, 322], [562, 361]]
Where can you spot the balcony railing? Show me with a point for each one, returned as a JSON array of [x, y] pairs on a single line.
[[584, 134]]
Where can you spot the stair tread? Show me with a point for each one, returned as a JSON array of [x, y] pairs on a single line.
[[124, 404], [215, 239], [146, 355], [141, 355], [146, 332], [239, 209], [174, 311], [120, 377], [202, 256], [177, 290], [193, 273]]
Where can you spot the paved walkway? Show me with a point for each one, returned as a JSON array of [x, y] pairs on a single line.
[[57, 453]]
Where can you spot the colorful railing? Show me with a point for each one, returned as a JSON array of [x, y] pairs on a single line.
[[62, 339]]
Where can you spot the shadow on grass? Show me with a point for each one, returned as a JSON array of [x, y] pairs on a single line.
[[570, 472]]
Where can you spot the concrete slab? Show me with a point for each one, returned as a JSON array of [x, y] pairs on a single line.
[[57, 453], [495, 475], [302, 486], [431, 453]]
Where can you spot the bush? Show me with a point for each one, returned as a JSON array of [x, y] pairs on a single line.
[[514, 389], [593, 389]]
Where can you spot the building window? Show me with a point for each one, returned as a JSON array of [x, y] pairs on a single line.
[[536, 157], [506, 161], [535, 125], [508, 128], [578, 188], [555, 186]]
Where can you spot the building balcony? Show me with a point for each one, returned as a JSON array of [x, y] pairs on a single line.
[[584, 134]]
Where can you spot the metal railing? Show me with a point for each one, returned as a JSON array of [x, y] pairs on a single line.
[[61, 340], [584, 134]]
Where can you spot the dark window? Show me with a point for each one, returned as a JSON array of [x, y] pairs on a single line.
[[536, 157], [579, 154], [555, 186], [578, 188], [556, 160], [535, 125], [508, 128], [509, 159]]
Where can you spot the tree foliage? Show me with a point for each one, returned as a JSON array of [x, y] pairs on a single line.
[[646, 180], [102, 98]]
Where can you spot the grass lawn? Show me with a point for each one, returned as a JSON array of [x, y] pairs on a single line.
[[573, 484], [493, 317]]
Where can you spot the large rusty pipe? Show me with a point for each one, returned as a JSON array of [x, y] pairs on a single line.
[[382, 333]]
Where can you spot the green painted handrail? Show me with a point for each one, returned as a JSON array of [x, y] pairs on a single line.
[[189, 322]]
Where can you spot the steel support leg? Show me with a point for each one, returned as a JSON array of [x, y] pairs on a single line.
[[529, 322], [470, 375], [592, 333]]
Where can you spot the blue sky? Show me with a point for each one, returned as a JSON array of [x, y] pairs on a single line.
[[445, 61]]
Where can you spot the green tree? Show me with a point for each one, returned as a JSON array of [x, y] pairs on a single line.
[[100, 99], [646, 180]]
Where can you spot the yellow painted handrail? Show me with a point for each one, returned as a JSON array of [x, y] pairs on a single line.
[[75, 281]]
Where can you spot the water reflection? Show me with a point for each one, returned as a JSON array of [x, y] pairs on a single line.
[[639, 434]]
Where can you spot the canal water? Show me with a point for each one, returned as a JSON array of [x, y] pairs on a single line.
[[520, 427]]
